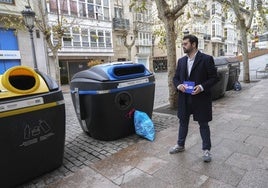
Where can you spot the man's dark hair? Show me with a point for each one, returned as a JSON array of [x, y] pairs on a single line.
[[192, 39]]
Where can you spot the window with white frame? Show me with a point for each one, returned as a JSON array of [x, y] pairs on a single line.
[[106, 14], [216, 27], [84, 36], [63, 6], [91, 10], [93, 38], [101, 39], [118, 12], [7, 1], [216, 8], [73, 7], [144, 39], [67, 39], [53, 6], [95, 9], [108, 39], [99, 13], [82, 8], [76, 37]]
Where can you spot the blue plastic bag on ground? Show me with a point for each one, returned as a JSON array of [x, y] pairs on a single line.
[[144, 125]]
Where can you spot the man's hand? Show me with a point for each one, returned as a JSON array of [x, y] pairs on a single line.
[[197, 89], [181, 88]]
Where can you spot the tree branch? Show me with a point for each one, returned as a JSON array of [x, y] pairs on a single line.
[[262, 14]]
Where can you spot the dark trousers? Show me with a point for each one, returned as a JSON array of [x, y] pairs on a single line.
[[203, 127]]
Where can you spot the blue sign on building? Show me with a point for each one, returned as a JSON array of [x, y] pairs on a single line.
[[9, 51]]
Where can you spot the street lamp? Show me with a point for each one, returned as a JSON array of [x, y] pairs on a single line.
[[29, 18], [186, 32]]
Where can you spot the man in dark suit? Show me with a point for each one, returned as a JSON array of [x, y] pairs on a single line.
[[196, 69]]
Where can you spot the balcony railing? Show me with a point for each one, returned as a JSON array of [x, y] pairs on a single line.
[[120, 24]]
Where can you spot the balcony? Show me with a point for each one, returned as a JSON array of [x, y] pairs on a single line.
[[120, 24]]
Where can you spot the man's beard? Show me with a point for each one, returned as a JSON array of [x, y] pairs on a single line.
[[186, 50]]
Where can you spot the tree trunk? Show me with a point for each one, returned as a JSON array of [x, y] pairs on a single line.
[[243, 33], [171, 60], [56, 67]]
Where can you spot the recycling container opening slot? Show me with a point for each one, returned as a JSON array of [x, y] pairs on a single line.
[[128, 70], [23, 82], [21, 79]]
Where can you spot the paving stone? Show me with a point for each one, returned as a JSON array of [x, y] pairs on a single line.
[[85, 177], [225, 173], [212, 183], [246, 162], [256, 178], [258, 141], [264, 154]]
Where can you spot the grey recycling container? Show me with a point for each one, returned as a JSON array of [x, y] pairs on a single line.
[[104, 96], [234, 72], [32, 125], [218, 90]]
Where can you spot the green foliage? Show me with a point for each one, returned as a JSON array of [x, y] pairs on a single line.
[[12, 21], [138, 5], [93, 62]]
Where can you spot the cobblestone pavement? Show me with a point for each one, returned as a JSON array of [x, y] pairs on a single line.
[[82, 150]]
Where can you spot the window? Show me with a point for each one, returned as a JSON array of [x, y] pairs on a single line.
[[63, 6], [73, 7], [118, 12], [99, 14], [145, 39], [7, 1], [138, 17], [85, 41], [76, 37], [213, 9], [216, 28], [100, 39], [67, 40], [82, 8], [108, 39], [106, 13], [91, 11], [93, 38], [53, 6], [106, 3]]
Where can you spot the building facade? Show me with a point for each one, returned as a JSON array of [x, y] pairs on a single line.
[[87, 34], [15, 44]]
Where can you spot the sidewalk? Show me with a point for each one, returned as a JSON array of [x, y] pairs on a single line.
[[239, 133]]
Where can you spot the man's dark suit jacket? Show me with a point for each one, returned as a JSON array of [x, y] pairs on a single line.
[[203, 72]]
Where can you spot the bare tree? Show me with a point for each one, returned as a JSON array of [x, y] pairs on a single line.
[[168, 15], [129, 46], [244, 17]]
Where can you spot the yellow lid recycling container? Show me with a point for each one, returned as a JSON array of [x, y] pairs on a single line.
[[32, 125], [21, 80]]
